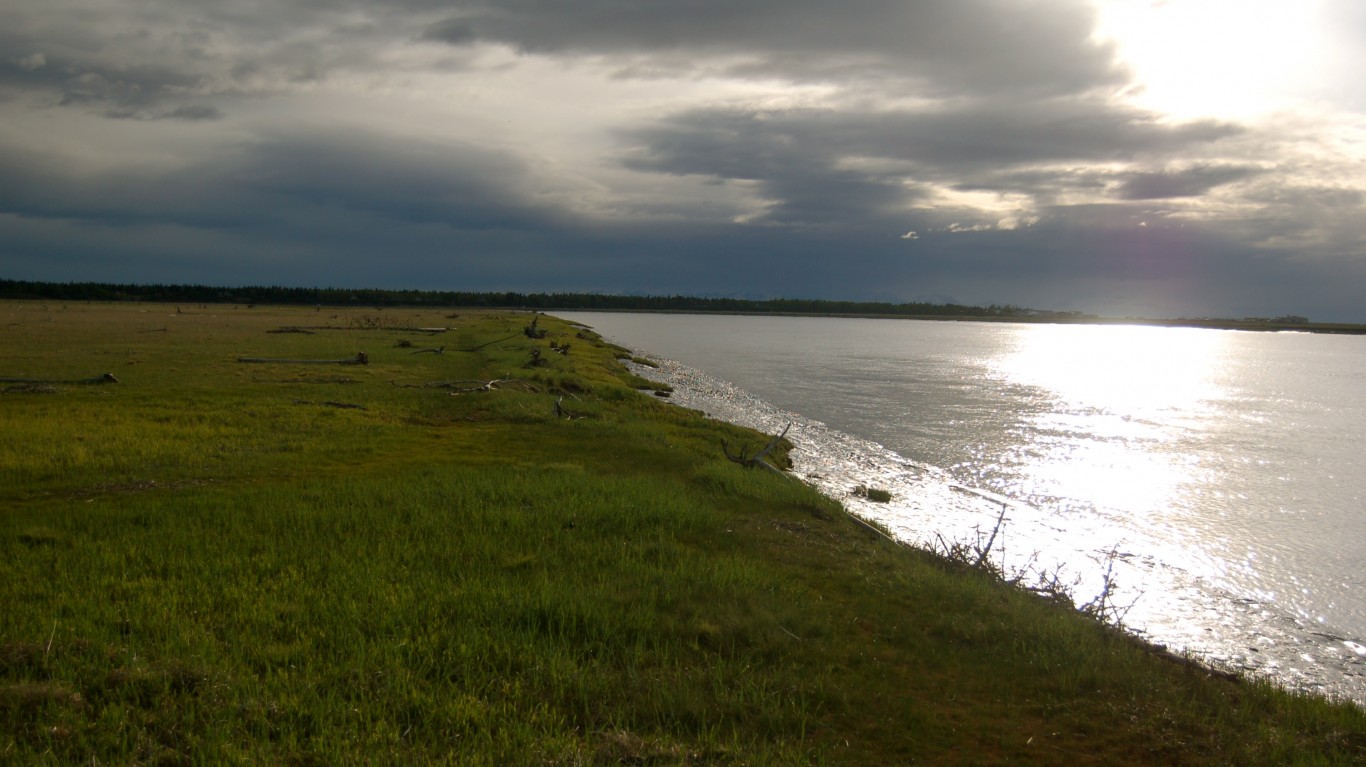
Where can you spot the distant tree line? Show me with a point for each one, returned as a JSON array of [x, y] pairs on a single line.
[[205, 294]]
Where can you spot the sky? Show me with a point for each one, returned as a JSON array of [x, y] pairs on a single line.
[[1160, 158]]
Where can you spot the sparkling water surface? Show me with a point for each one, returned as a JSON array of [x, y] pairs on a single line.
[[1221, 471]]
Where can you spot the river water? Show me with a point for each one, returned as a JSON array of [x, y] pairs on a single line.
[[1216, 475]]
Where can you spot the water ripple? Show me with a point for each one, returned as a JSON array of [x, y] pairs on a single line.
[[1181, 599]]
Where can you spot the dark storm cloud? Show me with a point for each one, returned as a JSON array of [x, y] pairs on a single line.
[[983, 46], [799, 176], [754, 148], [954, 138], [261, 185], [193, 113], [151, 60], [448, 183], [342, 208], [124, 88], [799, 157], [50, 187], [122, 75], [1191, 182]]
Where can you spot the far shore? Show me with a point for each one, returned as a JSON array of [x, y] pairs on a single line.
[[1255, 325], [380, 299]]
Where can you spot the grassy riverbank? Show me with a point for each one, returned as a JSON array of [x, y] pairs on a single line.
[[213, 561]]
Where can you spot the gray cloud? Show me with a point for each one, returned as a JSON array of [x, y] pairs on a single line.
[[193, 113], [1190, 182], [1033, 48], [448, 183], [335, 175], [47, 186], [756, 148], [153, 60], [127, 87], [801, 158]]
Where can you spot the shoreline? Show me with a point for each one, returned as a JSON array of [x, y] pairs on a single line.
[[930, 511], [1248, 325]]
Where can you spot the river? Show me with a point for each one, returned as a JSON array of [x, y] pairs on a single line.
[[1217, 476]]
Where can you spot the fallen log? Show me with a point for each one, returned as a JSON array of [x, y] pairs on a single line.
[[872, 528], [29, 389], [751, 461], [306, 380], [104, 379], [490, 343], [497, 384], [467, 387], [342, 405], [561, 412], [361, 358], [389, 328]]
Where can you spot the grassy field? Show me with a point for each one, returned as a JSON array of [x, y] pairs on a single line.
[[217, 562]]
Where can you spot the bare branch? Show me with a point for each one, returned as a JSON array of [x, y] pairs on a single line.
[[984, 551]]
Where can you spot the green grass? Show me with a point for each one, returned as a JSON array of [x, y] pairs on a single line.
[[204, 564]]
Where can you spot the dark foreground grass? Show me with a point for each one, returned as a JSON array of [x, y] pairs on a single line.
[[208, 563]]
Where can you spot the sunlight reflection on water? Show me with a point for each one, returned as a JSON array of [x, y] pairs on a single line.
[[1110, 423], [1218, 465], [1127, 370]]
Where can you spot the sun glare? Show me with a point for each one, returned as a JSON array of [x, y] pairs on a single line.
[[1232, 59], [1134, 369], [1115, 384]]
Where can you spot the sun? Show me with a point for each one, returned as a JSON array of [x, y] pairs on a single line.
[[1228, 59]]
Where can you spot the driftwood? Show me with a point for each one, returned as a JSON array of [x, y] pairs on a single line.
[[496, 384], [361, 358], [467, 387], [490, 343], [750, 461], [437, 350], [307, 380], [873, 529], [31, 388], [560, 412], [393, 328], [342, 405], [104, 379]]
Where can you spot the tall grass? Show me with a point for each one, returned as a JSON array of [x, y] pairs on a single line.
[[206, 564]]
